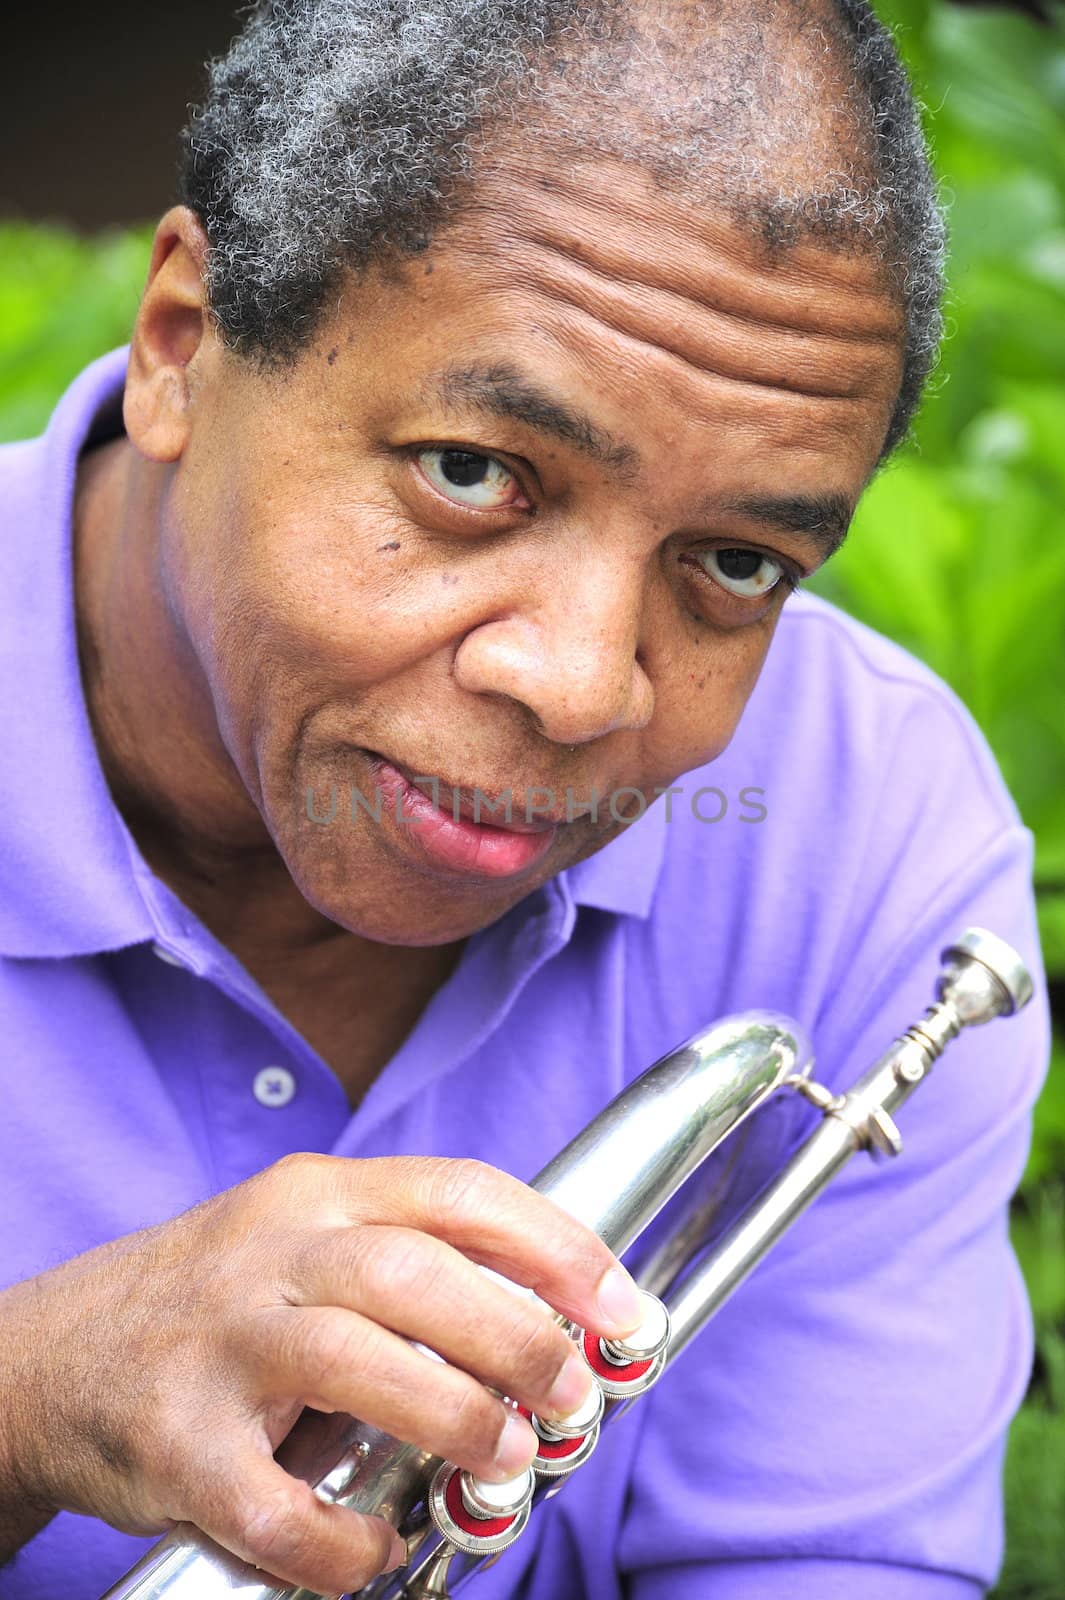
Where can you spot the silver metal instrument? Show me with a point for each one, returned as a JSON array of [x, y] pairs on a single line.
[[682, 1125]]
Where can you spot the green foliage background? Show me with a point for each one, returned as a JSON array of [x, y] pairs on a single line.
[[958, 549]]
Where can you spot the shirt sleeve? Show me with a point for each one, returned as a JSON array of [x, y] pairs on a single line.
[[838, 1429]]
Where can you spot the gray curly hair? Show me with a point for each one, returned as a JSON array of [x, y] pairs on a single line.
[[336, 133]]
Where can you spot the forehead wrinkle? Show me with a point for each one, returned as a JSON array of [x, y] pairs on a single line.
[[503, 390], [838, 341], [645, 240], [725, 366], [795, 302]]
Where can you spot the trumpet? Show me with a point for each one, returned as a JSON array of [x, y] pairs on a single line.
[[679, 1130]]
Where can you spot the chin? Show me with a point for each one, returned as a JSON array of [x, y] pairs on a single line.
[[415, 926], [403, 908]]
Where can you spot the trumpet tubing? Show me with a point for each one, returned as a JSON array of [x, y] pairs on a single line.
[[650, 1143]]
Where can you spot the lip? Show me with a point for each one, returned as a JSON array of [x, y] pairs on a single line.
[[457, 800], [452, 841]]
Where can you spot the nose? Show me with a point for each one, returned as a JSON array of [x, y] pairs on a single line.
[[570, 654]]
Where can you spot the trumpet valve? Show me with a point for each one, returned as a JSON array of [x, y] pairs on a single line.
[[567, 1442], [476, 1516], [630, 1365], [576, 1424]]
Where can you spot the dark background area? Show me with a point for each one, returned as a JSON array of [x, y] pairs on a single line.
[[92, 98]]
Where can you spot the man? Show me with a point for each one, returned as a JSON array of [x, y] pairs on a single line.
[[409, 736]]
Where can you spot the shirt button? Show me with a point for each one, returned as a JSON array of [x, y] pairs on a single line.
[[274, 1086], [167, 955]]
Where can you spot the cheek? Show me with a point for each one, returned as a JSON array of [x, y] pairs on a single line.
[[320, 592], [701, 692]]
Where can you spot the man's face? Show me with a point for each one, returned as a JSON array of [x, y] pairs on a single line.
[[522, 519]]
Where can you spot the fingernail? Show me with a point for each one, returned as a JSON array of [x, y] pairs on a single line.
[[398, 1556], [517, 1446], [618, 1300], [569, 1388]]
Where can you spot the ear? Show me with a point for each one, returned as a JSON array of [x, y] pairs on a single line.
[[172, 328]]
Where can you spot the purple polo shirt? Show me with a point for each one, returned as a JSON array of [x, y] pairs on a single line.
[[838, 1429]]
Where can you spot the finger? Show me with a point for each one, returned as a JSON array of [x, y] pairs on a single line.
[[277, 1522], [495, 1219], [336, 1360], [426, 1290]]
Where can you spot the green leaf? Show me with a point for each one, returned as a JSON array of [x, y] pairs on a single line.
[[63, 302], [1051, 907], [1035, 1501], [1046, 1160]]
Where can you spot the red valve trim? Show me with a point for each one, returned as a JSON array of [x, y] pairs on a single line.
[[553, 1449], [477, 1527], [607, 1369], [558, 1450]]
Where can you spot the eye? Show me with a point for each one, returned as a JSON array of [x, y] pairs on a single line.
[[469, 478], [747, 573]]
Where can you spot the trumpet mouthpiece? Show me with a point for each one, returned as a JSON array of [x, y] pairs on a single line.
[[983, 977]]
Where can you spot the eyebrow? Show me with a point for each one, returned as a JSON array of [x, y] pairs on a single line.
[[823, 518], [501, 390]]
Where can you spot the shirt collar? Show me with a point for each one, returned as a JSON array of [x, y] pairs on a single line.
[[622, 877], [69, 881], [74, 881]]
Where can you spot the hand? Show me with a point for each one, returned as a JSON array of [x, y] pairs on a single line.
[[150, 1380]]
